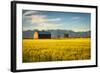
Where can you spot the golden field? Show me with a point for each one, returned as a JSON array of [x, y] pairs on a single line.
[[41, 50]]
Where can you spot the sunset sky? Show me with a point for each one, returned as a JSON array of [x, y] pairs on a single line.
[[46, 20]]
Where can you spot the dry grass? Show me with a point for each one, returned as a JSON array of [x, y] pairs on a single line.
[[41, 50]]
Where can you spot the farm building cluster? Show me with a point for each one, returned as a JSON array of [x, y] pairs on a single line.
[[43, 35], [47, 35], [54, 34]]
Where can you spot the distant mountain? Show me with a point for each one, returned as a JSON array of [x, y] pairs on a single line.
[[28, 34], [58, 33]]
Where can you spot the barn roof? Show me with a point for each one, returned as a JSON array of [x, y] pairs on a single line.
[[44, 32]]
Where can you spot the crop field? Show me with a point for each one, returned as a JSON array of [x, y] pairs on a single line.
[[42, 50]]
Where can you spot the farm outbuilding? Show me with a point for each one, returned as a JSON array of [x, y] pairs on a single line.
[[42, 35], [66, 35], [36, 35]]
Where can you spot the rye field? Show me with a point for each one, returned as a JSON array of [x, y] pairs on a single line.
[[43, 50]]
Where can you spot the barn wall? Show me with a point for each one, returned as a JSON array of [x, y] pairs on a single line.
[[44, 36]]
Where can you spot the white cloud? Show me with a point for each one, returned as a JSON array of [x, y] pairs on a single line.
[[30, 12], [47, 26], [40, 21], [55, 19], [38, 18], [43, 19]]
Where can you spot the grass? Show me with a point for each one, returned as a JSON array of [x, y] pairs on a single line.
[[42, 50]]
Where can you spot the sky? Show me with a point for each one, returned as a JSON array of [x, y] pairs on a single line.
[[48, 20]]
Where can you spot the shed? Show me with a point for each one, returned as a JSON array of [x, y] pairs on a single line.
[[42, 35]]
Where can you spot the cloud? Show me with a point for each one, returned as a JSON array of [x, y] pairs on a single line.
[[39, 21], [55, 19], [29, 13], [43, 22], [43, 19], [47, 26], [37, 15], [38, 18]]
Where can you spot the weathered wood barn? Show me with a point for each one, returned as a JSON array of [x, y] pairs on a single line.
[[42, 35]]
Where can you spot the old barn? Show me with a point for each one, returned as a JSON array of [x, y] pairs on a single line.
[[42, 35]]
